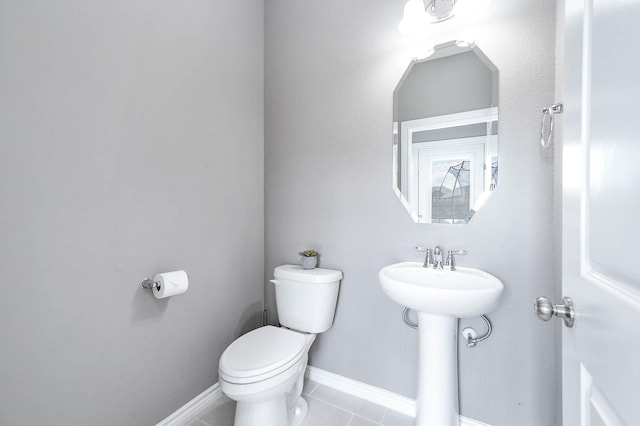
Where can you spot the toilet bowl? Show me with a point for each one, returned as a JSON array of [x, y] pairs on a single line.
[[263, 370]]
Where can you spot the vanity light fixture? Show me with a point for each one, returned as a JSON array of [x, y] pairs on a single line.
[[439, 10], [418, 13]]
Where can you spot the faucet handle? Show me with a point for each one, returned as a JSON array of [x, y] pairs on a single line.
[[428, 259], [450, 263], [457, 252]]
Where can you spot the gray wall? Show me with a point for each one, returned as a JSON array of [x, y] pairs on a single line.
[[330, 71], [131, 142]]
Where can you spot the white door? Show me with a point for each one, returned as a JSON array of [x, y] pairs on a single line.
[[601, 212]]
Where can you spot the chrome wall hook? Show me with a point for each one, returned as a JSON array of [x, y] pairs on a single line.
[[549, 111]]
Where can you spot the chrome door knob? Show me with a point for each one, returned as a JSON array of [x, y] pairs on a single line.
[[545, 310]]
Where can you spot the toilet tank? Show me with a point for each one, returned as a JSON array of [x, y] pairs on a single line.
[[306, 299]]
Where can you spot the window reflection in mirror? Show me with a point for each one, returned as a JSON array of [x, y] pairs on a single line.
[[445, 134]]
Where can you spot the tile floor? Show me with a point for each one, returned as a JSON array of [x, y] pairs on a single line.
[[327, 407]]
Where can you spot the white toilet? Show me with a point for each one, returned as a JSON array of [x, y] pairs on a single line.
[[264, 369]]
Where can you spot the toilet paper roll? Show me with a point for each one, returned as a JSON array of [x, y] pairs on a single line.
[[170, 284]]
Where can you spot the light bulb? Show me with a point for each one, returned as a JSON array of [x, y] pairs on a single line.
[[414, 18]]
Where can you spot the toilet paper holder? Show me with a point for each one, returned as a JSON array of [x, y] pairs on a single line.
[[167, 284], [149, 283]]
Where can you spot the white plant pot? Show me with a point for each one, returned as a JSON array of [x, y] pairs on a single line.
[[309, 262]]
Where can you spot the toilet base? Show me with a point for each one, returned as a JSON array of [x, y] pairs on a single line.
[[299, 412], [272, 412]]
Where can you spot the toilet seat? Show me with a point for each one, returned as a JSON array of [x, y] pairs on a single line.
[[261, 354]]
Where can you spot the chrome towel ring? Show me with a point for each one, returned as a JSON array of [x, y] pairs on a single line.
[[549, 111]]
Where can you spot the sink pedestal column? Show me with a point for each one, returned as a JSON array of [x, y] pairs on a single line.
[[437, 401]]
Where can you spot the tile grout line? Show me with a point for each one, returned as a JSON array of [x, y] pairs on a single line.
[[333, 405], [312, 390], [350, 419], [364, 418], [353, 415], [386, 413], [206, 423], [384, 416], [348, 411]]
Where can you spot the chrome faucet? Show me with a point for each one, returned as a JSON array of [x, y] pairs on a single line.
[[435, 261], [450, 263], [437, 258]]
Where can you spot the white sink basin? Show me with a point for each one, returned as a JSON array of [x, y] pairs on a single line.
[[465, 292]]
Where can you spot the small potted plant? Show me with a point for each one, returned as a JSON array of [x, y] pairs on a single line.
[[309, 259]]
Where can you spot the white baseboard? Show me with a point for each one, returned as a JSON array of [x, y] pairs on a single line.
[[189, 410], [390, 400], [466, 421]]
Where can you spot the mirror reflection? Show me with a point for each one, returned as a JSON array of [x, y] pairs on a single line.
[[445, 134]]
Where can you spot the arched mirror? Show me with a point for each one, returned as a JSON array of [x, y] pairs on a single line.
[[445, 134]]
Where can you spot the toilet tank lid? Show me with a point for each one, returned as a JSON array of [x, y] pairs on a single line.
[[317, 275]]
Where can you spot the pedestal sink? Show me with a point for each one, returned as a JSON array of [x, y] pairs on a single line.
[[439, 297]]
